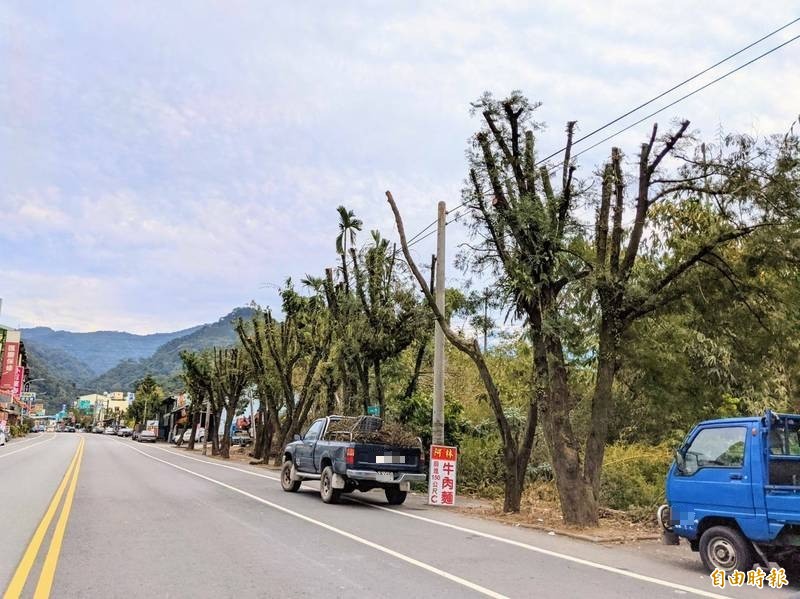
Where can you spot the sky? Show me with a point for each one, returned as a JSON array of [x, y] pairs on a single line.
[[164, 162]]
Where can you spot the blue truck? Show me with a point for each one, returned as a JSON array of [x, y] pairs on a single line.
[[733, 492], [347, 454]]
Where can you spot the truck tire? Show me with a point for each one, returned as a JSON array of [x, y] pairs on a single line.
[[725, 548], [326, 490], [394, 495], [287, 484]]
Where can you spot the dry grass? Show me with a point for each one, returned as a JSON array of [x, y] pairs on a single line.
[[540, 509]]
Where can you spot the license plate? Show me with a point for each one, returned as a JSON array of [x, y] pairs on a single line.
[[385, 477], [390, 459]]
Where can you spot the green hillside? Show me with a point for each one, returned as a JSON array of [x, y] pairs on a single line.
[[165, 363], [100, 350]]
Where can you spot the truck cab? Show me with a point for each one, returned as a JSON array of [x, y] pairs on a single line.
[[733, 492]]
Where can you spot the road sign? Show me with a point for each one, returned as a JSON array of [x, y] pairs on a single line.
[[442, 477], [373, 410], [28, 396]]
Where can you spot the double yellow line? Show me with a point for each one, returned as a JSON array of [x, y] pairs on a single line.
[[45, 584]]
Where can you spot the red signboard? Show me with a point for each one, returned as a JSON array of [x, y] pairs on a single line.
[[8, 369], [19, 374], [442, 480]]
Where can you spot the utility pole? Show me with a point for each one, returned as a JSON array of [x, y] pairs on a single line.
[[206, 428], [437, 426]]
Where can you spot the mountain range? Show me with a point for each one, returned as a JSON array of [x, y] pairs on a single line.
[[71, 364]]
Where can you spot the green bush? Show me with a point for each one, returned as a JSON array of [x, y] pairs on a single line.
[[633, 476], [18, 430], [480, 465]]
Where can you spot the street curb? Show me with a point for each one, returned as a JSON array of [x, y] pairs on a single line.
[[568, 533]]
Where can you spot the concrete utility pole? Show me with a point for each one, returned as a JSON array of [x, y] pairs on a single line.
[[437, 426]]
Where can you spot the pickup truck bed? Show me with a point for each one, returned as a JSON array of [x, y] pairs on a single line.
[[330, 451]]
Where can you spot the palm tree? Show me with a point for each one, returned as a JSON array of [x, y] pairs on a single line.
[[348, 225]]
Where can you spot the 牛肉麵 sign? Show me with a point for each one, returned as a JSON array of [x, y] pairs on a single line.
[[442, 475]]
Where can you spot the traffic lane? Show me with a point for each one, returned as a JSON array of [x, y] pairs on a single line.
[[28, 480], [158, 531], [488, 562]]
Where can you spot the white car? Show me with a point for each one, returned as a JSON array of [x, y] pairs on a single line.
[[2, 437], [198, 436]]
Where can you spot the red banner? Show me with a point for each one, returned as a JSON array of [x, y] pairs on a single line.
[[16, 391], [9, 367], [442, 476]]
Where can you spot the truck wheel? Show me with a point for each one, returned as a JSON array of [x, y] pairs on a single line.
[[394, 495], [287, 484], [724, 548], [326, 490], [792, 567]]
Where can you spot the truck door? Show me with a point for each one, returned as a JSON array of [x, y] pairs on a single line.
[[782, 491], [304, 454], [716, 477]]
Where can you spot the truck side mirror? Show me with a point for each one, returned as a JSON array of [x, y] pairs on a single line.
[[680, 461], [297, 437]]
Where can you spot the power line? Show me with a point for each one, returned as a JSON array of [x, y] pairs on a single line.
[[672, 89], [419, 235], [693, 92], [420, 232], [452, 220]]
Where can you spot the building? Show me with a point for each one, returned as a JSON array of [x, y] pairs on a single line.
[[13, 374], [105, 407]]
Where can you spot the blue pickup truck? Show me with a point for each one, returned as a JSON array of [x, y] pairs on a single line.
[[733, 492], [346, 454]]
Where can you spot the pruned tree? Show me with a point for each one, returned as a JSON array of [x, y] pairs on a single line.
[[528, 234], [196, 376], [293, 349], [230, 375]]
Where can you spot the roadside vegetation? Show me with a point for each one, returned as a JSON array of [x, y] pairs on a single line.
[[613, 310]]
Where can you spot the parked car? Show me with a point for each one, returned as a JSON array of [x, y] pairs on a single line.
[[198, 436], [98, 430], [146, 436], [3, 437], [124, 431], [330, 452], [69, 429], [733, 492], [110, 431], [241, 438], [37, 429]]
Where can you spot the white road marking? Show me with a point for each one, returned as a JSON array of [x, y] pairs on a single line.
[[434, 570], [5, 455], [665, 583]]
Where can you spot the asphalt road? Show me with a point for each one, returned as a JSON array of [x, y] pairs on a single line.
[[153, 521]]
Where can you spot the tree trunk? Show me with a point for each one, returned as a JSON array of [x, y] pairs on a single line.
[[261, 448], [225, 446], [213, 434], [578, 503], [601, 404], [379, 392], [363, 379], [411, 388], [195, 420], [514, 483], [330, 403]]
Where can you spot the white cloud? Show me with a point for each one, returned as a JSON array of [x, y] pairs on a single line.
[[180, 155]]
